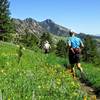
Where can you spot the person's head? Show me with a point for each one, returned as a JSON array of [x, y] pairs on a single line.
[[71, 33]]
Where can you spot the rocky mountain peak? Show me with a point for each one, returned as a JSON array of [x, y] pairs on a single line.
[[34, 26], [48, 21]]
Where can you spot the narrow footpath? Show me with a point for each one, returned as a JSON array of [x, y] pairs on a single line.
[[87, 88], [90, 91]]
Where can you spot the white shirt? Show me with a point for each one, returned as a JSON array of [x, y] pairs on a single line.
[[46, 46]]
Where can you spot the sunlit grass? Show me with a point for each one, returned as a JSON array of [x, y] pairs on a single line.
[[36, 76]]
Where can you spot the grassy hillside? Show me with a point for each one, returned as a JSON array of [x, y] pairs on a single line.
[[92, 74], [32, 75]]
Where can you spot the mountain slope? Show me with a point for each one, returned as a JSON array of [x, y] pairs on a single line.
[[28, 25], [54, 28], [32, 26]]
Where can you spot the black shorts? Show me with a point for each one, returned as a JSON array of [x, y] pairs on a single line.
[[74, 58]]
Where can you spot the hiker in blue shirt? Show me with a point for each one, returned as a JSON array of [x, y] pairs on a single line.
[[74, 44]]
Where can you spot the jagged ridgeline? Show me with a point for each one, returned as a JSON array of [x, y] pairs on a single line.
[[34, 26]]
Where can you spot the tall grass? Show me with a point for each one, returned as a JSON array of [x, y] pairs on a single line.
[[92, 73], [37, 76]]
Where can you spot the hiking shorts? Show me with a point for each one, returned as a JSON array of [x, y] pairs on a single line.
[[74, 58]]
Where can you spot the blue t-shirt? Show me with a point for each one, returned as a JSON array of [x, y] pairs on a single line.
[[75, 42]]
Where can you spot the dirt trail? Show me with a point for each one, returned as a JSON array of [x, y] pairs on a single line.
[[90, 91], [85, 86]]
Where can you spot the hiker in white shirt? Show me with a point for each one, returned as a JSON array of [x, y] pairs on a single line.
[[46, 47]]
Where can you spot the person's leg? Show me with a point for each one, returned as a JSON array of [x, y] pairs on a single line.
[[81, 71], [47, 50], [72, 70], [72, 63], [78, 64], [79, 67]]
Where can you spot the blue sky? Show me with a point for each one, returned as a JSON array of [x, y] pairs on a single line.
[[79, 15]]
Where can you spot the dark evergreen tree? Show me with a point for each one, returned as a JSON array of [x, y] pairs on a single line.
[[61, 49], [5, 21], [90, 49], [44, 37], [28, 40]]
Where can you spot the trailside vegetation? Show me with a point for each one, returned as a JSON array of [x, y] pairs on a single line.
[[6, 28], [32, 75], [90, 53], [61, 49]]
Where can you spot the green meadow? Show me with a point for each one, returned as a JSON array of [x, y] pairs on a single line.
[[35, 76]]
